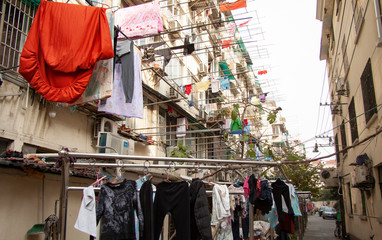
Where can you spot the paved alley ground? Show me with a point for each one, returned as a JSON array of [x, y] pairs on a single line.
[[319, 229]]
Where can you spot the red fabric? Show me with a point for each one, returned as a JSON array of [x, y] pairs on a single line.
[[287, 224], [245, 122], [258, 187], [226, 43], [262, 72], [170, 109], [188, 89], [62, 47], [232, 6]]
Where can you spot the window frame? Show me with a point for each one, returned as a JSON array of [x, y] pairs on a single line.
[[368, 92], [353, 121]]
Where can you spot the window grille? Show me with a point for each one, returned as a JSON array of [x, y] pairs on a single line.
[[337, 149], [353, 121], [368, 92], [16, 19], [343, 137]]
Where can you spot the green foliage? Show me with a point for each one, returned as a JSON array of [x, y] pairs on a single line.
[[235, 112], [272, 117], [180, 152], [268, 152], [327, 194], [303, 176], [224, 112]]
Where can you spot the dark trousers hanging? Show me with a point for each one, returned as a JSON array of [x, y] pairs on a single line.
[[146, 199], [235, 223], [174, 198], [279, 188]]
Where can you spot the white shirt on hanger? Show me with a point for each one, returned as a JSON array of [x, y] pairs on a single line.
[[86, 220]]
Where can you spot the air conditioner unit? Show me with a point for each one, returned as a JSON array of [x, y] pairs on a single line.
[[114, 143], [104, 125], [360, 176], [336, 110], [203, 69], [329, 177], [172, 93], [341, 86]]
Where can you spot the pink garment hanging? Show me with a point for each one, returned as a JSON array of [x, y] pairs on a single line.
[[188, 89], [246, 188], [140, 20]]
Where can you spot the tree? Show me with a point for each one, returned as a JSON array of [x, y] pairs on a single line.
[[303, 176]]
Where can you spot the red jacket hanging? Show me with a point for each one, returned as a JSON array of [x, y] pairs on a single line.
[[62, 47], [232, 6]]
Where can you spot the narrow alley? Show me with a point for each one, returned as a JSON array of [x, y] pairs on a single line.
[[319, 228]]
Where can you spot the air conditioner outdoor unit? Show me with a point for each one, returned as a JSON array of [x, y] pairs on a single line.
[[336, 109], [329, 177], [172, 93], [104, 125], [360, 176], [114, 143], [202, 69], [341, 86]]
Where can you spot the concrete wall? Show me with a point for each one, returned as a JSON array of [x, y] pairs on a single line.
[[359, 49], [23, 203]]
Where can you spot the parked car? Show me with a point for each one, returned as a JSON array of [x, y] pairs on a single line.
[[321, 209], [329, 213]]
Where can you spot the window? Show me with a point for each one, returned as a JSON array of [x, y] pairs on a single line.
[[353, 121], [337, 149], [358, 16], [343, 137], [345, 55], [350, 200], [339, 4], [16, 19], [367, 85]]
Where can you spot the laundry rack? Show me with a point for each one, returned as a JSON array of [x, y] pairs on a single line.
[[65, 167]]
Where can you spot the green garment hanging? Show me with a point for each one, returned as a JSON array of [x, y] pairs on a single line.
[[236, 124], [31, 3]]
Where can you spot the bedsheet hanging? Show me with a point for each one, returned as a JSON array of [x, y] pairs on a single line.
[[63, 45], [116, 104], [140, 20], [101, 82]]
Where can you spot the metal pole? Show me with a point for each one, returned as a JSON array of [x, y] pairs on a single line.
[[64, 193], [149, 158], [250, 221]]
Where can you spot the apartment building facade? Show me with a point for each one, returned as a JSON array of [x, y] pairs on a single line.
[[30, 124], [351, 47]]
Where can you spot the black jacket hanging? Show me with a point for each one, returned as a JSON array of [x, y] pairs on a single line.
[[200, 214]]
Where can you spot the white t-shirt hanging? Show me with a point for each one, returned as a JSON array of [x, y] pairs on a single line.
[[86, 220], [215, 85]]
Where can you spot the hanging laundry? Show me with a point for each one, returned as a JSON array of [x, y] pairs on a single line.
[[236, 124], [224, 83], [200, 214], [255, 101], [262, 72], [263, 98], [86, 220], [174, 198], [232, 6], [140, 20], [116, 104], [221, 211], [225, 43], [181, 130], [167, 55], [116, 205], [293, 200], [215, 85], [100, 85], [227, 123], [170, 110], [188, 89], [146, 200], [62, 49], [202, 86], [279, 190], [125, 56], [188, 47], [148, 51]]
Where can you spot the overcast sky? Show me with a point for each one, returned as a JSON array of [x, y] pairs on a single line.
[[292, 37]]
